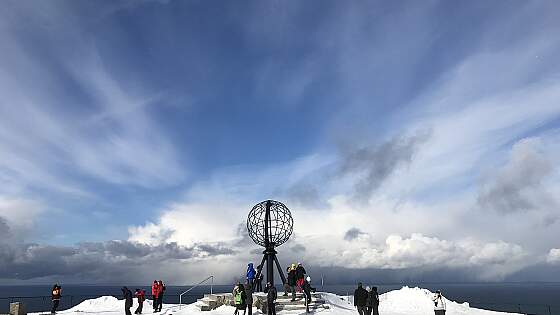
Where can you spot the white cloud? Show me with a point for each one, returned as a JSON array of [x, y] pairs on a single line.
[[188, 224], [19, 214], [553, 256], [323, 234]]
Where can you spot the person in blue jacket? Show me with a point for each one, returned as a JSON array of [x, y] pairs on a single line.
[[251, 273]]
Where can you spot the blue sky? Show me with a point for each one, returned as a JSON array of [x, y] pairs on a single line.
[[138, 122]]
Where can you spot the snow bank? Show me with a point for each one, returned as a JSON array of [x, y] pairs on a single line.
[[419, 301], [406, 301]]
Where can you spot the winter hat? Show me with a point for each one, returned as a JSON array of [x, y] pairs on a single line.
[[368, 288], [308, 279]]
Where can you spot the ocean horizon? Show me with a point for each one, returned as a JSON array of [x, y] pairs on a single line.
[[523, 297]]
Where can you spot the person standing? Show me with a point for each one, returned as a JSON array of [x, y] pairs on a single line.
[[141, 297], [239, 298], [292, 279], [155, 293], [258, 280], [249, 297], [360, 299], [271, 296], [287, 283], [300, 276], [56, 294], [161, 290], [127, 294], [251, 274], [439, 303]]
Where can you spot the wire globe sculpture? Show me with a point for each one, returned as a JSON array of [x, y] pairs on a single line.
[[280, 223]]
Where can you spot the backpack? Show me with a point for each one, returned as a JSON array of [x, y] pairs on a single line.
[[238, 298]]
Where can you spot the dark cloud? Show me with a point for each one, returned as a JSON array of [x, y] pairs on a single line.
[[353, 233], [518, 185], [96, 260], [4, 229], [370, 165], [297, 248], [373, 164], [243, 235], [305, 192]]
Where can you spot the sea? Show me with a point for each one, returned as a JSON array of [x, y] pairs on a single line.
[[526, 298]]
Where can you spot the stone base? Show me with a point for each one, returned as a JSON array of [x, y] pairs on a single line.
[[17, 308]]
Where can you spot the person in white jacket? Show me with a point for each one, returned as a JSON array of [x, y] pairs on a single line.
[[439, 303]]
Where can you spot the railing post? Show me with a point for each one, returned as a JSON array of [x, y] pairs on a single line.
[[71, 300], [519, 307], [549, 310], [211, 284]]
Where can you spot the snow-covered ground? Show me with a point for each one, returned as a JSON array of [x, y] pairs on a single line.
[[406, 301]]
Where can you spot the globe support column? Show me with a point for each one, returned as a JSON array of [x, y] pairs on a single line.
[[270, 253]]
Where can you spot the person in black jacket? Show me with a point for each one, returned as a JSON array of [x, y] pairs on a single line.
[[292, 280], [56, 294], [372, 302], [127, 294], [307, 289], [249, 297], [258, 280], [271, 296], [360, 299]]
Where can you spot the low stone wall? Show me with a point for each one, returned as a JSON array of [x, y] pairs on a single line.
[[17, 308], [214, 301]]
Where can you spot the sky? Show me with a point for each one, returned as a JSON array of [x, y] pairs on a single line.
[[411, 141]]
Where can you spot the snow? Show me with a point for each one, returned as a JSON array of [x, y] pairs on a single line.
[[406, 301]]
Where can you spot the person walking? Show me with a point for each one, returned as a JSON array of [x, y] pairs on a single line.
[[161, 290], [292, 281], [239, 298], [307, 290], [249, 297], [251, 273], [300, 276], [439, 303], [127, 294], [372, 303], [368, 308], [271, 296], [141, 297], [56, 294], [155, 294], [360, 299]]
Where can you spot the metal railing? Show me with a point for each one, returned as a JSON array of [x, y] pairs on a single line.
[[211, 278]]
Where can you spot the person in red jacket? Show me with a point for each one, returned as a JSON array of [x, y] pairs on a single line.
[[155, 294], [161, 290], [141, 296]]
